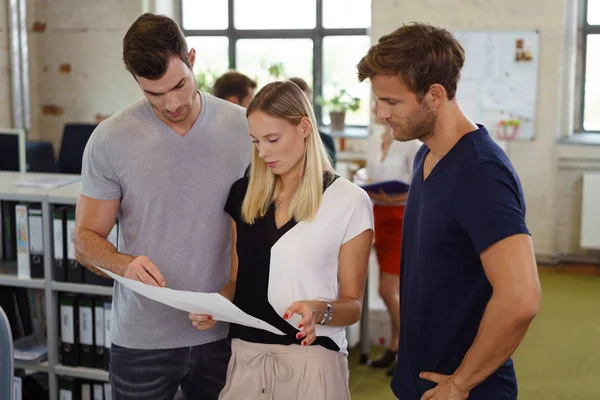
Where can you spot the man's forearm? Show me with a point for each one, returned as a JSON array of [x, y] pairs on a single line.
[[91, 248], [503, 327]]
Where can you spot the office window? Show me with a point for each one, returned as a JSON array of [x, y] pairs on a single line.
[[591, 67], [255, 56], [275, 14], [320, 41]]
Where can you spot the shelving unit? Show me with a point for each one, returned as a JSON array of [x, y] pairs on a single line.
[[82, 288], [14, 281], [48, 198], [41, 367], [82, 372]]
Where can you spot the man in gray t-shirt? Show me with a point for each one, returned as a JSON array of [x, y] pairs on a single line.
[[164, 166]]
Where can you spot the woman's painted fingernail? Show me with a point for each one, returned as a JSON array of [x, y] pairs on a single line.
[[304, 343], [300, 326], [299, 335], [209, 317], [285, 316]]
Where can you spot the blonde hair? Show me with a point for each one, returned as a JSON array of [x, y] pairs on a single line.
[[285, 100]]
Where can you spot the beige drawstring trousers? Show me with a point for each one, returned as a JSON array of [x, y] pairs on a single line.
[[273, 372]]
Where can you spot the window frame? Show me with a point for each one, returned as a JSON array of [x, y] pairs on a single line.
[[317, 35], [587, 30]]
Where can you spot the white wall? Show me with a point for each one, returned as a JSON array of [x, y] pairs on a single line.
[[76, 63]]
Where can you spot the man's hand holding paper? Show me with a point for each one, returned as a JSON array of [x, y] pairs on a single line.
[[143, 270]]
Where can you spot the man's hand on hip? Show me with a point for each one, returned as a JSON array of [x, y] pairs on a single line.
[[446, 388]]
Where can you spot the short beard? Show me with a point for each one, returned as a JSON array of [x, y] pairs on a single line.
[[419, 126]]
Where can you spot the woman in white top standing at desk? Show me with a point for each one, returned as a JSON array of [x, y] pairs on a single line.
[[387, 160]]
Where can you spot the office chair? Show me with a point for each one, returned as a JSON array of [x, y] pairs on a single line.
[[40, 156], [6, 358], [75, 137]]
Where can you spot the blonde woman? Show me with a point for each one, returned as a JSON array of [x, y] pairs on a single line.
[[301, 246]]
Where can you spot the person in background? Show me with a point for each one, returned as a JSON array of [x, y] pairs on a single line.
[[389, 160], [469, 286], [327, 139], [302, 239], [234, 87], [164, 165]]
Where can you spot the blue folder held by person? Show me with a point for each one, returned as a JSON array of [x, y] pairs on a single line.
[[389, 187]]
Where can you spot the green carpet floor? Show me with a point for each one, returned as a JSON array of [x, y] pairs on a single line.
[[559, 358]]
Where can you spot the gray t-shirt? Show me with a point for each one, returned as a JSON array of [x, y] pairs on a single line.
[[172, 189]]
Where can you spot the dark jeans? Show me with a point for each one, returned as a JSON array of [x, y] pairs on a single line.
[[157, 374]]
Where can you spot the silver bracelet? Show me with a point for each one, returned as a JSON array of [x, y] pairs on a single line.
[[327, 314]]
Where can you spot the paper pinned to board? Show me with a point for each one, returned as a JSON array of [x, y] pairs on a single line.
[[213, 304]]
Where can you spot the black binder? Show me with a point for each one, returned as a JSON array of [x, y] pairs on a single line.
[[75, 271], [107, 332], [86, 390], [36, 241], [9, 230], [99, 332], [87, 353], [69, 388], [99, 391], [60, 244], [69, 329]]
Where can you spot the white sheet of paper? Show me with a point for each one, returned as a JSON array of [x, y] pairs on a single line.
[[213, 304], [47, 182]]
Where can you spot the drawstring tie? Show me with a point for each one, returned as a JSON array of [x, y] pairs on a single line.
[[279, 370]]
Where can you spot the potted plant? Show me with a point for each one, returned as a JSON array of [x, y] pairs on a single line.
[[337, 105], [276, 70]]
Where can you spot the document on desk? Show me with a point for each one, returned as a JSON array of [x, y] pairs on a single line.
[[213, 304]]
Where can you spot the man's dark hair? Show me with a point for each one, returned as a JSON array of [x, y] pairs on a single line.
[[150, 43], [420, 54], [233, 83]]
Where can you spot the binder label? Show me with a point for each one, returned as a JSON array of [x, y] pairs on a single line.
[[36, 238], [67, 325], [98, 391], [22, 233], [17, 388], [86, 391], [107, 392], [71, 239], [58, 239], [107, 322], [23, 263], [99, 328], [86, 332], [65, 394]]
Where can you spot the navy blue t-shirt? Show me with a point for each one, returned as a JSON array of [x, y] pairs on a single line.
[[471, 200]]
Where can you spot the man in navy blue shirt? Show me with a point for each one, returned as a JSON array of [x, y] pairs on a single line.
[[469, 286]]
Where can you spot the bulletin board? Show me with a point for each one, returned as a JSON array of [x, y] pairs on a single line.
[[498, 86]]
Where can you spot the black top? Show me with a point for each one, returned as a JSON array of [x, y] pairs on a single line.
[[254, 243]]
